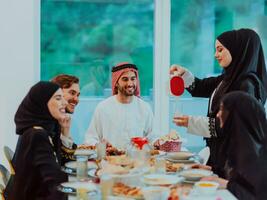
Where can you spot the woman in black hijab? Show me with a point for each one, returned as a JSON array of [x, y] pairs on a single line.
[[39, 119], [243, 118], [240, 54]]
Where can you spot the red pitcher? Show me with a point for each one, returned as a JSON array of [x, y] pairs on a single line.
[[139, 142]]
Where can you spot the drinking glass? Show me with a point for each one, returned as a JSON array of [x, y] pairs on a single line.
[[160, 164], [81, 194], [101, 150], [106, 183], [82, 170], [178, 109]]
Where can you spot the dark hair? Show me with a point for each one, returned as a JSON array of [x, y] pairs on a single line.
[[65, 81]]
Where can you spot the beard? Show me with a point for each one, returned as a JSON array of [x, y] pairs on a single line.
[[124, 90], [70, 108]]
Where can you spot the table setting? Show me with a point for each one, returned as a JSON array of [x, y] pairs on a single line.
[[139, 173]]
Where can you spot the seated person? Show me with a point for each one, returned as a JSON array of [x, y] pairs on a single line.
[[243, 118], [123, 115], [71, 92], [38, 160]]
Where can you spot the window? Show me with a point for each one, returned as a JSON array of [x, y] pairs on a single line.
[[87, 37], [194, 27]]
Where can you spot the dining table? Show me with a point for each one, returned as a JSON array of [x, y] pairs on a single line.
[[138, 181]]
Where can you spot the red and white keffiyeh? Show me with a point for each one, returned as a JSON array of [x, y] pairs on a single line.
[[118, 70]]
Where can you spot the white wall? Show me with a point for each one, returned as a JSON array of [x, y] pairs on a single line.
[[19, 56]]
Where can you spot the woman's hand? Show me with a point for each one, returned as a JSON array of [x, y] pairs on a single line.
[[181, 120], [222, 182], [65, 122], [177, 70]]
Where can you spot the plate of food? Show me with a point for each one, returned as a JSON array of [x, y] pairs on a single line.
[[161, 179], [122, 190], [195, 174], [113, 151], [191, 160], [86, 147], [180, 155], [174, 167], [121, 160]]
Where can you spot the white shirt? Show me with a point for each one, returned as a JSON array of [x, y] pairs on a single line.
[[117, 122]]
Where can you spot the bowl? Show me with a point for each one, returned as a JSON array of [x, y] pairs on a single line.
[[195, 174], [155, 192], [206, 187], [181, 155]]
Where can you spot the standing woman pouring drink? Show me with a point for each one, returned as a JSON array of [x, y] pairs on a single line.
[[240, 54], [39, 120]]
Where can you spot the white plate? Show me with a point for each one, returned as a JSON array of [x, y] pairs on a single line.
[[118, 198], [181, 161], [181, 155], [91, 172], [84, 152], [195, 174], [73, 165], [90, 187], [161, 179], [189, 182]]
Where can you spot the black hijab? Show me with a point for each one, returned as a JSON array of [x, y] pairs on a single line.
[[245, 145], [33, 110], [245, 48]]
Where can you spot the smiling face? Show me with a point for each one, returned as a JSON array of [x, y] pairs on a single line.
[[222, 115], [57, 105], [71, 95], [222, 54], [127, 84]]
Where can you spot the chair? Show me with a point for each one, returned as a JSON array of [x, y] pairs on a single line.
[[9, 155], [204, 154], [2, 188], [4, 174]]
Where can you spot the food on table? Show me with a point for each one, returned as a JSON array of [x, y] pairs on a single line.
[[179, 192], [206, 185], [112, 169], [154, 152], [121, 189], [174, 194], [110, 150], [174, 167], [121, 160], [169, 143], [113, 151], [87, 147]]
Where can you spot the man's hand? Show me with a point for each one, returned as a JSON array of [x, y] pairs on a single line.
[[181, 121]]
